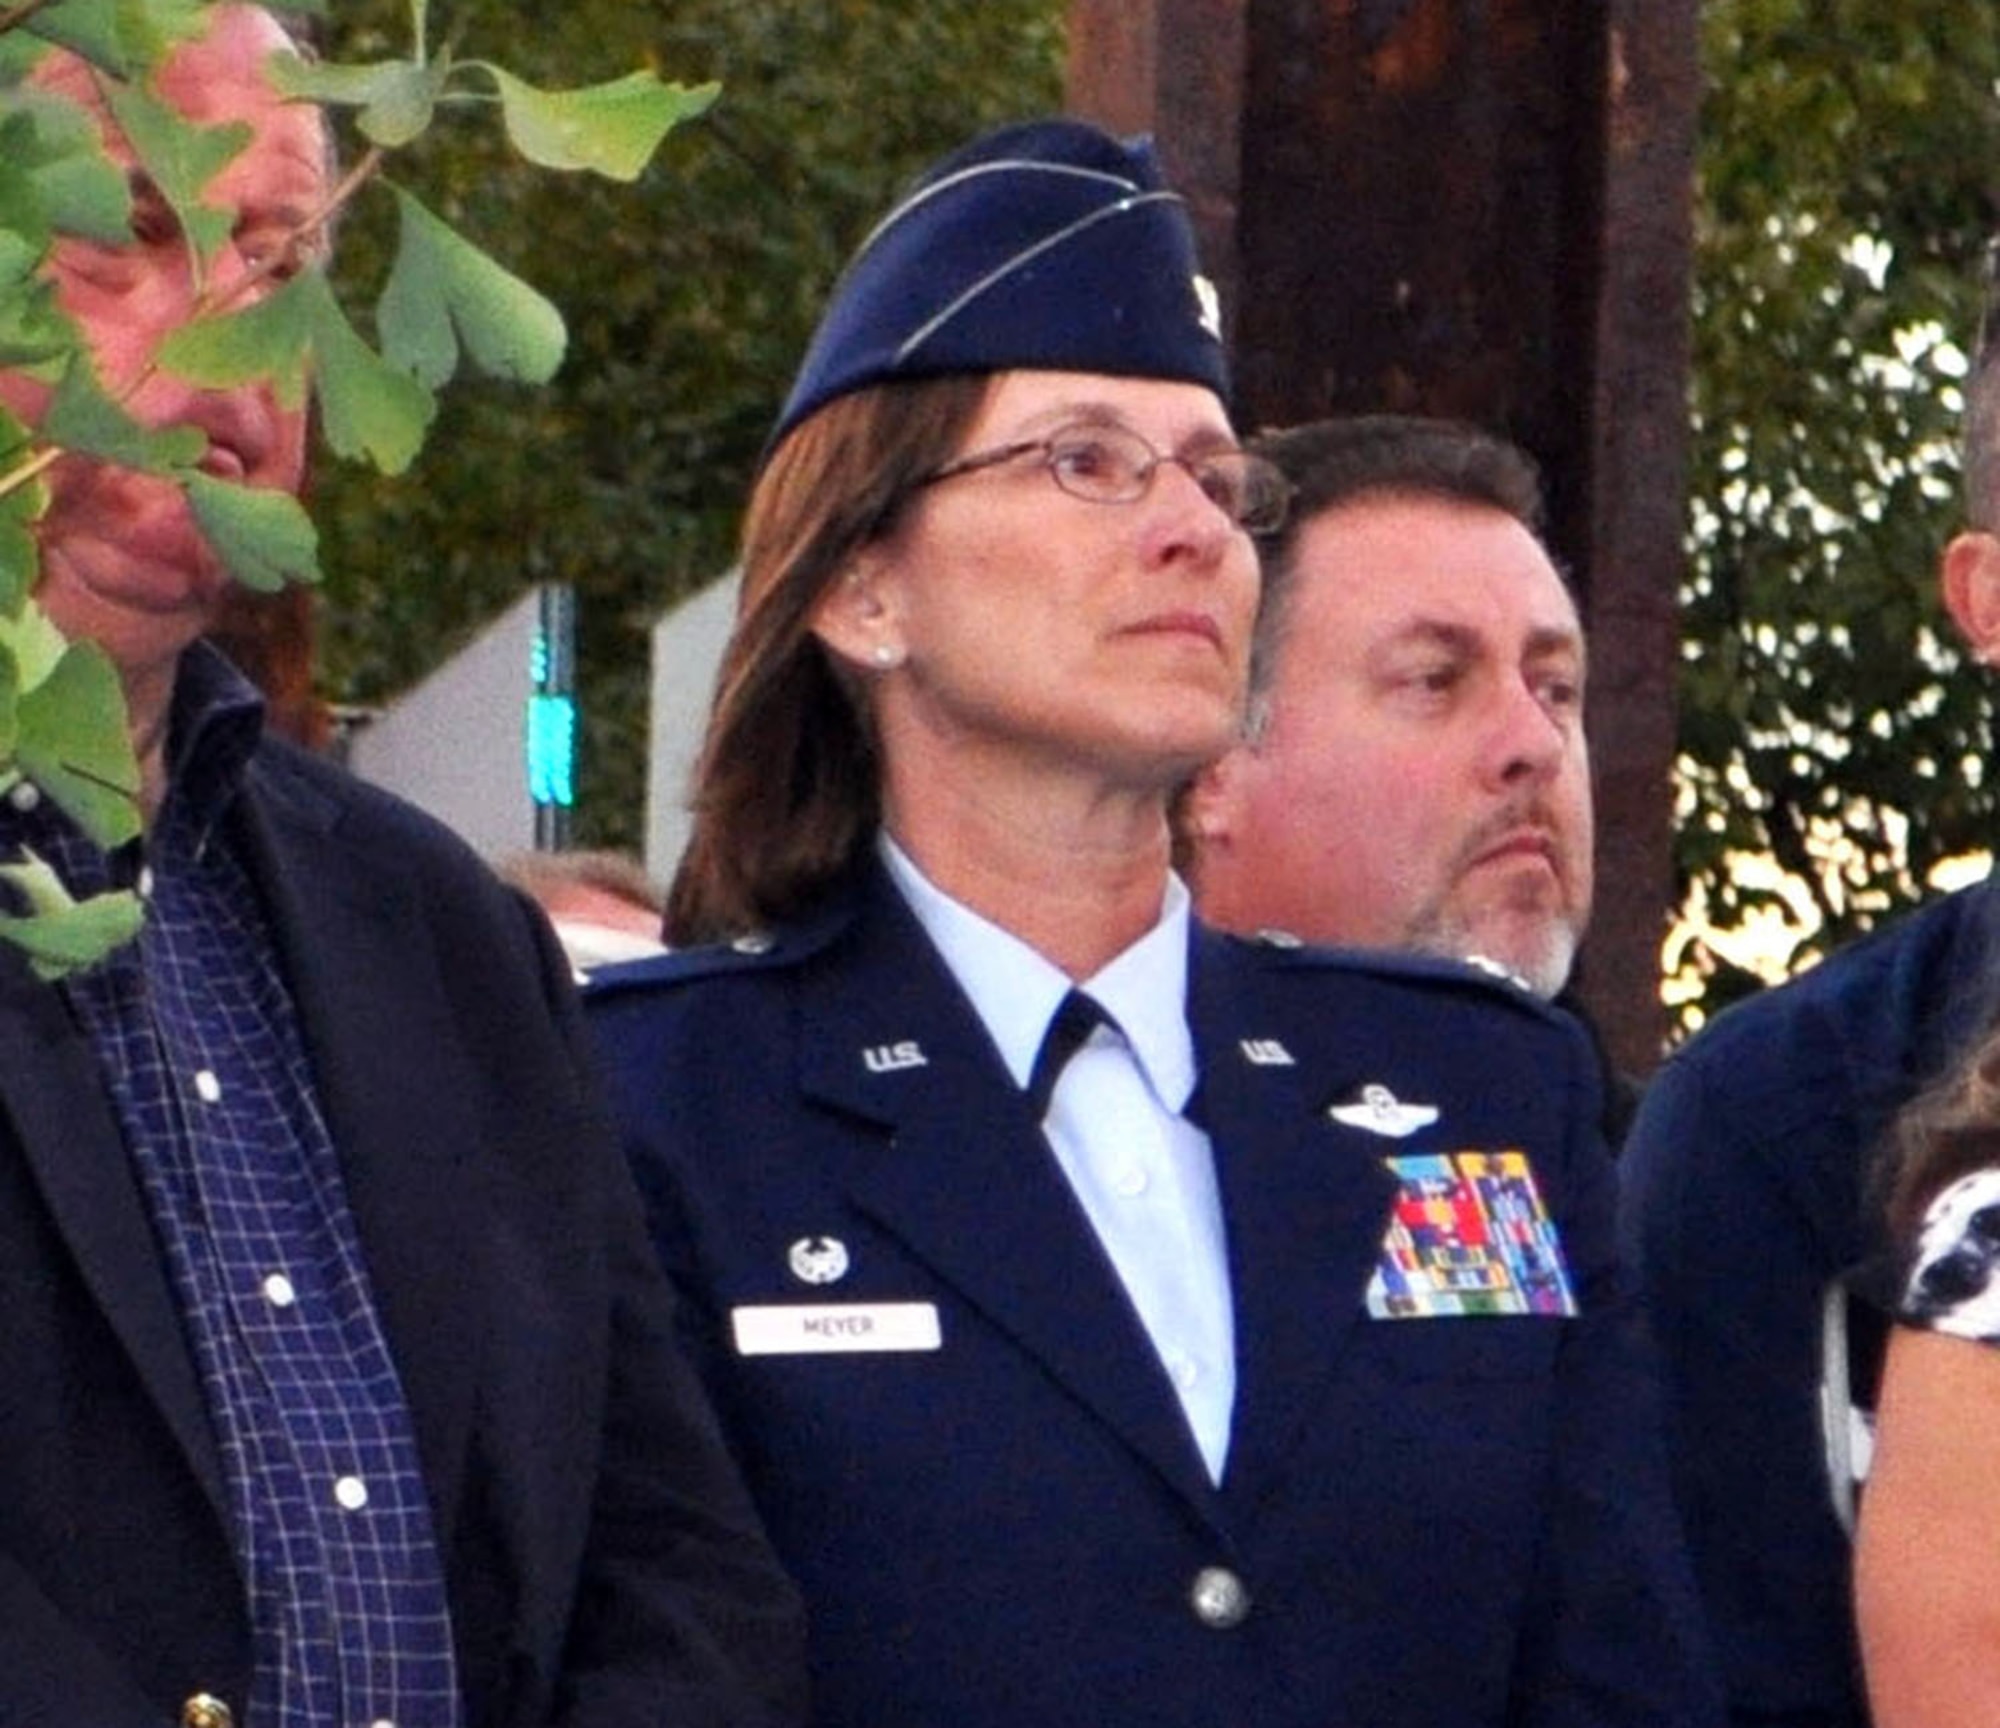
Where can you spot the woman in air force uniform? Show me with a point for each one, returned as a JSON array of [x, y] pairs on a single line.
[[1118, 1323]]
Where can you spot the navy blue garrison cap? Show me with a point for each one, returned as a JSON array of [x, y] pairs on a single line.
[[1049, 245]]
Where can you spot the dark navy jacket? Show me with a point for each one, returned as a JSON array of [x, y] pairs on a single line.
[[1450, 1521], [1746, 1191], [603, 1564]]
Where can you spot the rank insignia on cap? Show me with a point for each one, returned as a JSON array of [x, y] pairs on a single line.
[[1469, 1236], [817, 1259], [1380, 1111]]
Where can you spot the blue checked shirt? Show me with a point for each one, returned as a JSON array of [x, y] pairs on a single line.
[[201, 1050]]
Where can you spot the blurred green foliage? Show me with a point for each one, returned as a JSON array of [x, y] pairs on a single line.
[[689, 298], [63, 723], [1849, 179]]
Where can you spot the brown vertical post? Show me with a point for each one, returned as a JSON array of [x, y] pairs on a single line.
[[1638, 478], [1481, 211]]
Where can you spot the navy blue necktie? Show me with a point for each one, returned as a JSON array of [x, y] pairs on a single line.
[[1074, 1020]]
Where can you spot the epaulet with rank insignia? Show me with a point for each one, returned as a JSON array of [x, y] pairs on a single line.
[[1476, 972], [749, 952]]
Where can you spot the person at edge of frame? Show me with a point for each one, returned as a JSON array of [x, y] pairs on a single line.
[[1748, 1210], [1924, 1566], [337, 1382]]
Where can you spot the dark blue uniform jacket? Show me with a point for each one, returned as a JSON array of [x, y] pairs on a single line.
[[1448, 1521], [1747, 1189]]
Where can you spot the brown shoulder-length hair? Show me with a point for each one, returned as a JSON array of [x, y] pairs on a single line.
[[787, 788], [1946, 1132]]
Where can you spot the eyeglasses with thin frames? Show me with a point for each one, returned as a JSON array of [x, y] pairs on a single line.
[[1114, 465]]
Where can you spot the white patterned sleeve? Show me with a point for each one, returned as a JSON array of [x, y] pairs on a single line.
[[1954, 1283]]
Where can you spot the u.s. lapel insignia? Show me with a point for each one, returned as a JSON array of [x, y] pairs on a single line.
[[1265, 1053], [1380, 1111], [888, 1058], [817, 1259]]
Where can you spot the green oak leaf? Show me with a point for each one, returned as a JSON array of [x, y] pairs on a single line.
[[396, 97], [81, 190], [444, 291], [34, 333], [612, 129], [59, 934], [182, 159], [33, 646], [18, 53], [262, 535], [24, 206], [10, 719], [116, 35], [54, 174], [81, 417], [20, 506], [74, 743], [87, 196], [368, 407], [20, 561], [24, 210], [19, 258], [270, 338]]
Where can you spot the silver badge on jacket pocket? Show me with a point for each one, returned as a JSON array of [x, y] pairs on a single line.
[[818, 1259]]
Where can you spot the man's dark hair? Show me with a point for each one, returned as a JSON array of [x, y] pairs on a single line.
[[1334, 462]]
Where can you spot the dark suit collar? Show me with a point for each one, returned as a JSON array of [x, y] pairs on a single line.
[[69, 1134], [56, 1094], [213, 727], [353, 942]]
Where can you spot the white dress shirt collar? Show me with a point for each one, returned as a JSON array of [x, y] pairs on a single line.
[[1016, 991]]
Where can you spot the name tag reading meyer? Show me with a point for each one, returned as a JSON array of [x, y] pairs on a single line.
[[820, 1328]]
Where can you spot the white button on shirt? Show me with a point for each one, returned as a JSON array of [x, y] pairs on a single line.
[[1143, 1173]]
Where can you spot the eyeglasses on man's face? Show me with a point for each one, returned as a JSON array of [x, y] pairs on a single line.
[[1114, 465]]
